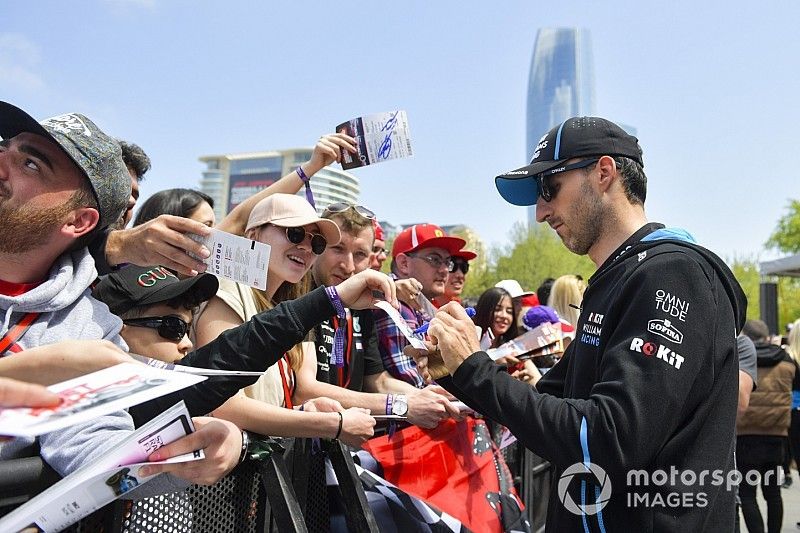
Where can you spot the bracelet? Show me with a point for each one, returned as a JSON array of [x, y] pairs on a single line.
[[341, 422], [307, 181], [245, 444], [389, 403]]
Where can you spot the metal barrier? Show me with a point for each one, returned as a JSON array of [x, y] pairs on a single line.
[[260, 495]]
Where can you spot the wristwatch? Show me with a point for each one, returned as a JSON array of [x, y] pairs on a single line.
[[400, 405]]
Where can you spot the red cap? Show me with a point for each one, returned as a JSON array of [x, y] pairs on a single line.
[[465, 254], [379, 236], [421, 236], [529, 301]]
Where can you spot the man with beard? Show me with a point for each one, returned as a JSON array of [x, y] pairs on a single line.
[[650, 383], [455, 278], [422, 252], [61, 182]]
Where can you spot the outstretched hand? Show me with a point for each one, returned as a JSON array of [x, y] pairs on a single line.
[[329, 149], [357, 291]]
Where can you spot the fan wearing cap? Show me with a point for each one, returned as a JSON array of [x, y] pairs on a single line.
[[61, 180], [650, 383], [156, 308], [422, 252], [378, 247], [297, 237], [456, 278]]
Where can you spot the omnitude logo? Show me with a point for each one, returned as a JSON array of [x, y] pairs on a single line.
[[602, 481]]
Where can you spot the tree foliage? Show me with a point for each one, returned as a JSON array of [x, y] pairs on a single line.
[[786, 236]]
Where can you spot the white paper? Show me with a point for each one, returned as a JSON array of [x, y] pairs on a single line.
[[191, 369], [96, 394], [401, 324], [379, 137], [97, 484], [542, 335], [235, 258]]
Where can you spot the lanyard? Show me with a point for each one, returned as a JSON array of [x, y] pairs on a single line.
[[9, 340], [347, 352], [287, 394]]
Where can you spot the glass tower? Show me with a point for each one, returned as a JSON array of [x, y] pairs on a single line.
[[561, 84]]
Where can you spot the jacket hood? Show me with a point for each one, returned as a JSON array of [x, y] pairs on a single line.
[[70, 276], [768, 354], [683, 238]]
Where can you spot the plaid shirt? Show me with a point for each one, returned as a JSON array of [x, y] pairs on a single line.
[[391, 343]]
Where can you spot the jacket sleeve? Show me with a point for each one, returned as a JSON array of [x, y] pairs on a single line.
[[254, 346], [640, 395]]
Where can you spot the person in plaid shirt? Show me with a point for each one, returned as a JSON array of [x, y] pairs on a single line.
[[422, 254]]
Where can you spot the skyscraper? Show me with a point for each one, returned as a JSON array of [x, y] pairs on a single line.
[[561, 83]]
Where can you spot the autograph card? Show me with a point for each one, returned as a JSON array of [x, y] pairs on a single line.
[[401, 324], [236, 258], [87, 397], [538, 338], [379, 137], [99, 483], [192, 369]]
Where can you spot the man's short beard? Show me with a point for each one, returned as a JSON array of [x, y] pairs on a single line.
[[586, 222], [25, 228]]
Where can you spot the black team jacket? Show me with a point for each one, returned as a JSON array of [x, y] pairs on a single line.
[[647, 392]]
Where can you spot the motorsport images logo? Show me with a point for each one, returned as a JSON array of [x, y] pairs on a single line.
[[583, 469]]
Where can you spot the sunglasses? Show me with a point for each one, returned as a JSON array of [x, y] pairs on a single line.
[[548, 190], [170, 327], [341, 207], [298, 235], [458, 264]]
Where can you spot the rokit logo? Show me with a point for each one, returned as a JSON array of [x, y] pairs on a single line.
[[664, 328], [651, 349]]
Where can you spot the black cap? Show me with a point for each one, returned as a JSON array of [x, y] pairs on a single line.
[[576, 137], [135, 286]]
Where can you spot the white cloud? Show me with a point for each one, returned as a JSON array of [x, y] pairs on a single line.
[[19, 62]]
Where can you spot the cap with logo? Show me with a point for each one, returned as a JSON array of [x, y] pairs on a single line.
[[512, 287], [464, 254], [96, 154], [421, 236], [576, 137], [135, 286], [290, 211]]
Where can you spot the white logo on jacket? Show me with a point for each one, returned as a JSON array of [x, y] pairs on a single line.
[[650, 349], [672, 305]]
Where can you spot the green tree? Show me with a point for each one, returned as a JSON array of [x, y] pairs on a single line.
[[786, 236], [746, 272]]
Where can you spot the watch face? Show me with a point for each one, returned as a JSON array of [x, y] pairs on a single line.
[[400, 407]]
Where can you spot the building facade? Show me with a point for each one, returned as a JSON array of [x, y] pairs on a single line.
[[560, 85], [231, 178]]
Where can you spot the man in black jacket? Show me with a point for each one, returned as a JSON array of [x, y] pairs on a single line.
[[638, 418]]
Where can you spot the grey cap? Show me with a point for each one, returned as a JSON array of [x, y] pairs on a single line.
[[96, 154]]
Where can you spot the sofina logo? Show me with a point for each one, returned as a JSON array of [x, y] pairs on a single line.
[[585, 508], [664, 328]]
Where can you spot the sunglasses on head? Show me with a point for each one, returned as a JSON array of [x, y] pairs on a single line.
[[459, 264], [548, 190], [170, 327], [298, 235], [341, 207]]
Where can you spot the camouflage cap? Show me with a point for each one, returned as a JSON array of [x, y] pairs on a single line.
[[96, 154]]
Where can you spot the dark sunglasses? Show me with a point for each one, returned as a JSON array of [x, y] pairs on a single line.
[[459, 264], [298, 235], [170, 327], [547, 190], [341, 207]]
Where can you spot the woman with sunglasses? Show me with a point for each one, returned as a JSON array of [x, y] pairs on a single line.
[[296, 236], [456, 277]]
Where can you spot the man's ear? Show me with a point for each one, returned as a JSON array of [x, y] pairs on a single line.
[[80, 221], [401, 261], [607, 169]]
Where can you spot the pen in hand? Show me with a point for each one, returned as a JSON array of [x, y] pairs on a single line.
[[424, 327]]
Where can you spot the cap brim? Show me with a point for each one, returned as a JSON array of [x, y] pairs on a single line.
[[14, 121], [451, 244], [205, 285], [519, 187], [465, 254], [328, 228]]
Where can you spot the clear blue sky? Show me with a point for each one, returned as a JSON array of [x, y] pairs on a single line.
[[712, 88]]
